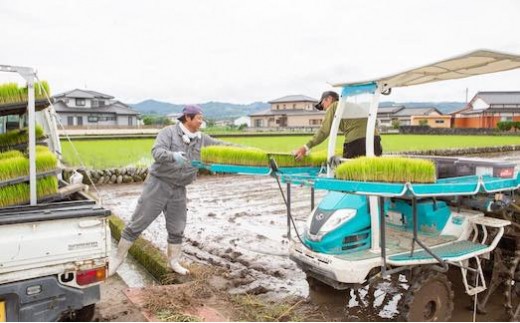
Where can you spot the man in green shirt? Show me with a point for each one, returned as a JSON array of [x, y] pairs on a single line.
[[354, 130]]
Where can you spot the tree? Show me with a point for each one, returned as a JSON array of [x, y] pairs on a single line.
[[395, 124]]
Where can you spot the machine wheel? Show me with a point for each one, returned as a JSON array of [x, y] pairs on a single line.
[[316, 284], [429, 299], [85, 314]]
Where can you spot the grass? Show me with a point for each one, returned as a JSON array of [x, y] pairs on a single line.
[[13, 93], [101, 154], [387, 169]]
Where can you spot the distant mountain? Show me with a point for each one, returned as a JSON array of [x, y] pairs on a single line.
[[212, 110], [222, 110], [444, 107]]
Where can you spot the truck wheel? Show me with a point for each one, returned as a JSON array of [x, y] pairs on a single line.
[[429, 299], [85, 314]]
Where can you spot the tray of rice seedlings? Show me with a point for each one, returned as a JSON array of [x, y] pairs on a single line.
[[242, 156], [14, 166], [315, 159], [20, 193], [387, 169], [18, 139], [230, 155], [13, 98], [10, 154]]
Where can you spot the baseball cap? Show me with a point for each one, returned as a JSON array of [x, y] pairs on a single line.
[[190, 109], [325, 95]]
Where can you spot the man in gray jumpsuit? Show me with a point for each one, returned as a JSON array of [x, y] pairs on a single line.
[[165, 189]]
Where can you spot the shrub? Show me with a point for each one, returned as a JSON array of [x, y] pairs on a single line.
[[505, 125]]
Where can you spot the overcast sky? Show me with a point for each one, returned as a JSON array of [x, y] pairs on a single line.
[[245, 51]]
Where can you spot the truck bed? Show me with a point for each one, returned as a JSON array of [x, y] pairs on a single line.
[[61, 235]]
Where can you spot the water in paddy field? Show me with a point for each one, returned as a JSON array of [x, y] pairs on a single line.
[[239, 223]]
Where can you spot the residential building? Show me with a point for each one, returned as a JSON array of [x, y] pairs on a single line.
[[242, 120], [292, 111], [488, 108], [413, 116], [93, 109], [385, 115]]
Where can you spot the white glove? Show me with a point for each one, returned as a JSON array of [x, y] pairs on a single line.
[[180, 157]]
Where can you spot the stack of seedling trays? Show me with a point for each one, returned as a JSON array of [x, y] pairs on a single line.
[[253, 161], [401, 176], [13, 98], [14, 161], [14, 176]]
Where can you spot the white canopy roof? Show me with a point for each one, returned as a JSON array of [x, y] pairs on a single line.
[[471, 64]]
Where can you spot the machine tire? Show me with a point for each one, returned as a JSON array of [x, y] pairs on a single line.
[[429, 299], [85, 314], [316, 284]]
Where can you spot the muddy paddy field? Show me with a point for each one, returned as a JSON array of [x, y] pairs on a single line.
[[238, 225]]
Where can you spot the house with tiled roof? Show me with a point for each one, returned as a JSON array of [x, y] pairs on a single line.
[[487, 108], [292, 111], [85, 108], [429, 116]]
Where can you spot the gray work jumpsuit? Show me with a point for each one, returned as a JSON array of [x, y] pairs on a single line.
[[165, 188]]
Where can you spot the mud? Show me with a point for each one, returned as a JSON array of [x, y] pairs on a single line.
[[239, 223]]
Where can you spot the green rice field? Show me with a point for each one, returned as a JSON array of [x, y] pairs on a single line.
[[102, 154]]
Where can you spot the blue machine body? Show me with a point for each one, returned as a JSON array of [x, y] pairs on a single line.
[[354, 233]]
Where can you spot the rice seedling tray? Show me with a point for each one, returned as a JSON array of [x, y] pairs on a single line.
[[20, 108], [465, 185], [23, 179], [286, 173]]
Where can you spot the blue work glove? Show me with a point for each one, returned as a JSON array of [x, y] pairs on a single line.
[[180, 157]]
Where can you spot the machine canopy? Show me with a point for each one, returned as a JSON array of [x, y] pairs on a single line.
[[471, 64]]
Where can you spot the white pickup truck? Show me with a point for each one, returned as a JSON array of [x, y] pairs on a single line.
[[54, 253]]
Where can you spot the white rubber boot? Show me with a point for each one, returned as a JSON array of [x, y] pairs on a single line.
[[174, 254], [120, 255]]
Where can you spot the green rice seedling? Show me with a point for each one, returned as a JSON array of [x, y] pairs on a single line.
[[234, 156], [257, 157], [387, 169], [10, 154], [18, 165], [13, 167], [20, 193], [47, 186], [313, 159], [8, 93], [12, 93], [45, 159], [13, 138]]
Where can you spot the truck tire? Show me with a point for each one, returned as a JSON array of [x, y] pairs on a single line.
[[85, 314]]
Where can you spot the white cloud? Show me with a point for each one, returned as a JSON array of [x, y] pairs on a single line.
[[244, 51]]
